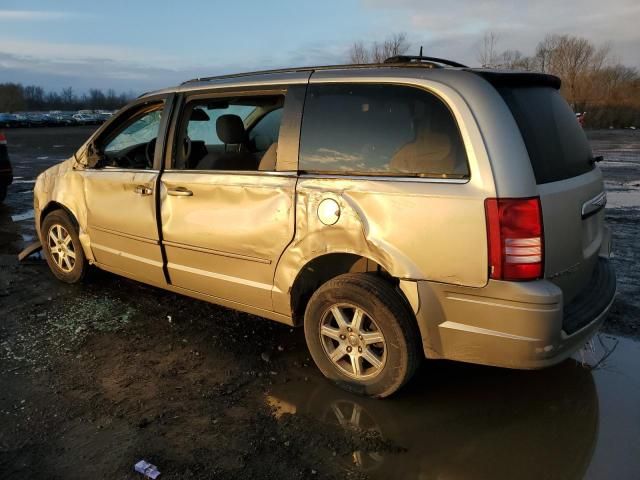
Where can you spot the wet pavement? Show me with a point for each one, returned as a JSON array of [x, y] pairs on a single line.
[[97, 376], [461, 421]]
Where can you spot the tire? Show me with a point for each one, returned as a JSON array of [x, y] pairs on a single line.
[[3, 192], [383, 348], [59, 225]]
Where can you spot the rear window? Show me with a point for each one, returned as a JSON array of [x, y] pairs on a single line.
[[379, 130], [557, 145]]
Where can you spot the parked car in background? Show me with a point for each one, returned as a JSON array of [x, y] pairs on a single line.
[[580, 116], [6, 172], [8, 120], [61, 119], [22, 119], [82, 119], [36, 119], [415, 208], [103, 116]]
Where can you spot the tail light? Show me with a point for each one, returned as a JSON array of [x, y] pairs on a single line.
[[515, 237], [3, 139]]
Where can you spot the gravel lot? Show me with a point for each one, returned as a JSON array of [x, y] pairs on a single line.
[[98, 376]]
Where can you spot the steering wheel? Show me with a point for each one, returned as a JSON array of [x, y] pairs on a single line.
[[186, 150], [149, 151]]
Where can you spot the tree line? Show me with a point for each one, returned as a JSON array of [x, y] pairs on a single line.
[[593, 80], [15, 97]]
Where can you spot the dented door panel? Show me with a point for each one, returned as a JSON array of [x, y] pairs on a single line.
[[225, 238], [121, 221]]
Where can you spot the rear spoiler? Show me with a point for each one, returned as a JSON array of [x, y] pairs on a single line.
[[499, 78]]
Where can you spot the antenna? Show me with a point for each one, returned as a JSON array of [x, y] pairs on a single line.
[[420, 51]]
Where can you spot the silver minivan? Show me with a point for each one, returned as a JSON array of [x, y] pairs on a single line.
[[415, 208]]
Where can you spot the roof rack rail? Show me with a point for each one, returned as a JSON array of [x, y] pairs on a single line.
[[432, 62], [422, 59]]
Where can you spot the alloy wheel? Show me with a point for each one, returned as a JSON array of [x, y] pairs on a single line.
[[61, 248], [352, 340]]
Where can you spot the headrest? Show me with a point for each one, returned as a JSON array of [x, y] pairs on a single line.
[[230, 129]]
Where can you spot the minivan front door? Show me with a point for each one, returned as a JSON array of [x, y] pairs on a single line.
[[119, 194]]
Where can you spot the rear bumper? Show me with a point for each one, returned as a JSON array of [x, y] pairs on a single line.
[[517, 325]]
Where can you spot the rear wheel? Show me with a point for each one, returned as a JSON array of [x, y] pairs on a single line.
[[62, 248], [361, 334]]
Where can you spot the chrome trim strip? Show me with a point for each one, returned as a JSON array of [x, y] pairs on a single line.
[[215, 252], [218, 276], [594, 205], [127, 235], [130, 256], [384, 178], [120, 169], [253, 173]]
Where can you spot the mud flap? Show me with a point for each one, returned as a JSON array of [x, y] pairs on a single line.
[[30, 250]]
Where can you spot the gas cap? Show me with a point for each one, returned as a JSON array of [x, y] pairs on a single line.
[[328, 211]]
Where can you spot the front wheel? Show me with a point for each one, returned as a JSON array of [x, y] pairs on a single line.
[[361, 334], [62, 248]]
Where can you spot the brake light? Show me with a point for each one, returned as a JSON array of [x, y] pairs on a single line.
[[3, 139], [515, 237]]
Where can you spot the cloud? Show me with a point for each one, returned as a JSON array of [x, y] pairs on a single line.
[[33, 15], [455, 27], [56, 65]]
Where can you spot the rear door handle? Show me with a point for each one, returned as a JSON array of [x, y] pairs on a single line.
[[142, 190], [180, 192]]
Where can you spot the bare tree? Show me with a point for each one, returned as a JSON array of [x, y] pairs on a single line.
[[487, 52], [576, 61], [515, 60], [359, 53], [11, 97], [543, 56], [67, 96], [378, 52]]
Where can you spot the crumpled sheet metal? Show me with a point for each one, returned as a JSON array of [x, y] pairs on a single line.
[[380, 221], [60, 184]]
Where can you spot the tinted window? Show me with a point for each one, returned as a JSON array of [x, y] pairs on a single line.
[[557, 145], [379, 129]]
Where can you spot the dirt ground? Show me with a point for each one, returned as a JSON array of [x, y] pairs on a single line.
[[95, 377]]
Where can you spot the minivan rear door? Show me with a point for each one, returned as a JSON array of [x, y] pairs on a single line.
[[571, 188]]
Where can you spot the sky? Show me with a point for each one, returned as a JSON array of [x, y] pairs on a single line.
[[140, 45]]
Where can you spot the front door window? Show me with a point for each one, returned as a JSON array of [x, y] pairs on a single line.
[[133, 145]]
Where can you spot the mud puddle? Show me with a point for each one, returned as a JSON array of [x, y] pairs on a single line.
[[460, 421]]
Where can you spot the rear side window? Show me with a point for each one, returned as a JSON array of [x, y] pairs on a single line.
[[379, 130], [557, 145]]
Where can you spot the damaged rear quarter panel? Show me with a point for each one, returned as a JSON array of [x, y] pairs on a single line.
[[414, 230]]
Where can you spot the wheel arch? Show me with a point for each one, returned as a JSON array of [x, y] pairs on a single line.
[[327, 266], [54, 205]]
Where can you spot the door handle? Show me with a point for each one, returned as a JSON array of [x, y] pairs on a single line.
[[142, 190], [180, 192]]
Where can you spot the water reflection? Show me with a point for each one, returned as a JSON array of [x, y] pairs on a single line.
[[459, 421], [17, 230]]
